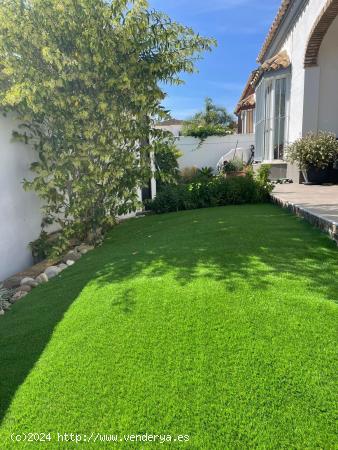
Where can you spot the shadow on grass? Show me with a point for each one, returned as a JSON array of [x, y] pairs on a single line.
[[250, 244], [27, 328], [254, 244]]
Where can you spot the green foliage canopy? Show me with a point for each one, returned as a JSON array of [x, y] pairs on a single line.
[[83, 79], [318, 150], [213, 121]]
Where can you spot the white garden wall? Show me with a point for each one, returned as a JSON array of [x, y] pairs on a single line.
[[20, 215], [212, 149], [328, 87], [295, 42], [20, 211]]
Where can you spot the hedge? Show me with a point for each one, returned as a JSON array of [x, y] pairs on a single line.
[[219, 191]]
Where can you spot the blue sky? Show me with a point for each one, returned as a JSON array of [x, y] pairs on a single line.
[[240, 27]]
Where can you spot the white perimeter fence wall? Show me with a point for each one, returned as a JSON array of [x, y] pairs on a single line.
[[20, 213], [211, 150]]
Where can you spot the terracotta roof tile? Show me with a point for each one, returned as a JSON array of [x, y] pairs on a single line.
[[277, 62], [247, 91], [246, 103], [274, 28]]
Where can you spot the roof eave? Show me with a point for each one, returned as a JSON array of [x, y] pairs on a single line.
[[279, 19]]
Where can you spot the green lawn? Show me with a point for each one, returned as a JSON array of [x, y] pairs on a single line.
[[219, 324]]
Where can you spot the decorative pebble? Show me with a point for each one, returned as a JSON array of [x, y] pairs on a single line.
[[72, 255], [70, 262], [29, 282], [19, 295], [6, 306], [23, 288], [83, 248], [52, 271], [42, 278]]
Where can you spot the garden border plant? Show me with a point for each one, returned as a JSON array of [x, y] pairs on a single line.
[[218, 191], [87, 97], [315, 154]]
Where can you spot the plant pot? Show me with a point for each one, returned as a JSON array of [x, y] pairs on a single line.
[[236, 174], [334, 173], [315, 175]]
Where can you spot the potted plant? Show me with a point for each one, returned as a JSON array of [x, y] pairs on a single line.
[[234, 168], [316, 155]]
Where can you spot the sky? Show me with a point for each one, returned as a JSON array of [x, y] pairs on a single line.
[[240, 27]]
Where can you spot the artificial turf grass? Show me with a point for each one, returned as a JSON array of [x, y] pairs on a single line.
[[219, 324]]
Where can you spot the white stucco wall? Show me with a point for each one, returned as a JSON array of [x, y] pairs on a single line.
[[212, 149], [295, 44], [174, 129], [20, 215], [328, 85]]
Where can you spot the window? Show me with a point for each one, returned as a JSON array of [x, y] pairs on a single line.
[[271, 117], [279, 118], [260, 122], [247, 121]]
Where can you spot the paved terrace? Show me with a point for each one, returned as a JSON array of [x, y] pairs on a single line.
[[317, 204]]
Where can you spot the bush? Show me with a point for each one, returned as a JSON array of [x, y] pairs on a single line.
[[41, 247], [263, 177], [316, 150], [193, 174], [188, 174], [205, 174], [219, 191], [204, 131], [236, 165]]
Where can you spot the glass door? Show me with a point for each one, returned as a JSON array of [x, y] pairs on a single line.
[[268, 119], [280, 118]]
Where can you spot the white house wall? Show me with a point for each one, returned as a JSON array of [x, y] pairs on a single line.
[[295, 43], [328, 85], [211, 150], [20, 216]]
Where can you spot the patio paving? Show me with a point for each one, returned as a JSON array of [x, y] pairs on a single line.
[[317, 204]]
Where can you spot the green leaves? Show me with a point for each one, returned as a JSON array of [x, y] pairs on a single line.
[[318, 150], [83, 78], [213, 121]]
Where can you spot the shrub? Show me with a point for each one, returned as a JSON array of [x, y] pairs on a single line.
[[87, 94], [41, 247], [219, 191], [193, 174], [263, 177], [188, 174], [235, 165], [317, 150], [204, 131], [206, 173], [212, 121]]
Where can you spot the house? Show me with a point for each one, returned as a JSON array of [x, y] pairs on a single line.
[[172, 125], [296, 83], [245, 109]]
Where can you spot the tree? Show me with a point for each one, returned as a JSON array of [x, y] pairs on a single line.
[[82, 76], [213, 121]]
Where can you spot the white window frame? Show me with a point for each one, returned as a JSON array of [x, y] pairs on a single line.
[[267, 124]]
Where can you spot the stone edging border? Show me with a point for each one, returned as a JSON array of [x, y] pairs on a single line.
[[316, 220], [18, 286]]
